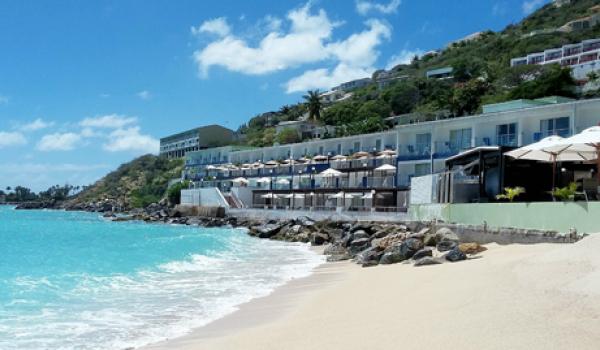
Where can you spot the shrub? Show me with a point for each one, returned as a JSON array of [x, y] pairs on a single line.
[[566, 193], [174, 192], [511, 193]]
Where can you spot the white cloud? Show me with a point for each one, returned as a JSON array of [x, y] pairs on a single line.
[[303, 43], [58, 142], [363, 7], [110, 121], [36, 125], [217, 26], [144, 95], [131, 140], [4, 99], [356, 56], [500, 9], [10, 139], [530, 5], [404, 57]]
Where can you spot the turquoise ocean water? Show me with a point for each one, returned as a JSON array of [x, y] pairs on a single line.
[[71, 280]]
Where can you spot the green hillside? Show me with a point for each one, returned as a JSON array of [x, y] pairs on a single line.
[[482, 74]]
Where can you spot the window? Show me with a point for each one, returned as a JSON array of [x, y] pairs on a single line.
[[378, 144], [460, 139], [339, 148], [422, 169], [506, 134], [423, 143], [356, 146], [555, 126]]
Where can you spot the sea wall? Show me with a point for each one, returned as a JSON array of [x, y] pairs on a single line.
[[549, 216]]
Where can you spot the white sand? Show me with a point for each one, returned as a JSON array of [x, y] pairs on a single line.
[[513, 297]]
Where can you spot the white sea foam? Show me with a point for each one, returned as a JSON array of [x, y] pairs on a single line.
[[121, 311]]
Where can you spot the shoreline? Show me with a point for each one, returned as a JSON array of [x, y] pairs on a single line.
[[513, 297], [263, 310]]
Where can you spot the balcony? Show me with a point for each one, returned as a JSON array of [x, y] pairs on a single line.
[[450, 148], [415, 152]]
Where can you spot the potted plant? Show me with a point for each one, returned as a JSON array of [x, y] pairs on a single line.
[[566, 193], [511, 193]]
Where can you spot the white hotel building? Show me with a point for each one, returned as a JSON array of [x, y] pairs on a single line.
[[582, 57], [411, 150]]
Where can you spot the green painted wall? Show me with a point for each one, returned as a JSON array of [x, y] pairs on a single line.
[[559, 216]]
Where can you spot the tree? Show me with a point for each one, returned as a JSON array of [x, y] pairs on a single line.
[[466, 97], [313, 100], [553, 81], [592, 77], [402, 97], [174, 192], [288, 135]]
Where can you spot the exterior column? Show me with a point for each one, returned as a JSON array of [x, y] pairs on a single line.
[[519, 133]]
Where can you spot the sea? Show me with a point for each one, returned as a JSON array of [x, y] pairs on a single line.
[[73, 280]]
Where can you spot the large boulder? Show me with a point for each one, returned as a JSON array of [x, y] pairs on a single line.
[[319, 238], [445, 234], [471, 248], [358, 245], [422, 253], [334, 249], [427, 261], [368, 257], [305, 221], [446, 246], [388, 241], [267, 230], [402, 251], [455, 255], [358, 234]]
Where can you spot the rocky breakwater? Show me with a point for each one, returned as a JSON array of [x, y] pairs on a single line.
[[371, 244]]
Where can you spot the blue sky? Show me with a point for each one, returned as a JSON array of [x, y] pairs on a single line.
[[85, 86]]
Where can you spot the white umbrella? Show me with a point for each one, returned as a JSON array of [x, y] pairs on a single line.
[[263, 180], [283, 181], [211, 167], [387, 152], [339, 157], [386, 168], [331, 173], [320, 158], [241, 180], [550, 149], [586, 145]]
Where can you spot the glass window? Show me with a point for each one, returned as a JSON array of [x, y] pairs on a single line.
[[460, 139], [356, 146], [423, 143], [555, 126], [506, 134], [378, 144], [422, 169]]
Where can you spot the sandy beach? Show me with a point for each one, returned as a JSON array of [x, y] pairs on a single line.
[[511, 297]]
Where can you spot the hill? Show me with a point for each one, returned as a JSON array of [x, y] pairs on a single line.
[[136, 184], [482, 74]]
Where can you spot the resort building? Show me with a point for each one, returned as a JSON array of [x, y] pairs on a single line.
[[177, 146], [354, 84], [306, 129], [440, 73], [582, 58], [374, 171]]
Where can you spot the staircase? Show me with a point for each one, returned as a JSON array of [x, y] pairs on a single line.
[[233, 201]]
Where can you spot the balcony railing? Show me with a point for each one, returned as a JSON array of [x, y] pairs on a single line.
[[415, 151], [564, 132], [450, 148]]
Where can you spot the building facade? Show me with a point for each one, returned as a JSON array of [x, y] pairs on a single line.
[[379, 166], [178, 145], [582, 57]]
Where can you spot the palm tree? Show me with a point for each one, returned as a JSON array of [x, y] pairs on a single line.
[[313, 101]]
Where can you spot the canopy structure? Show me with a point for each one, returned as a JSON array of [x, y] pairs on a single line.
[[331, 173], [550, 149], [586, 145], [388, 168]]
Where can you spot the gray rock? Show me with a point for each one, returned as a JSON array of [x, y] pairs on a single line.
[[339, 257], [423, 253], [401, 251], [445, 246], [427, 261], [358, 245], [334, 249], [268, 230], [391, 258], [369, 257], [305, 221], [359, 234], [319, 238], [445, 234], [455, 255]]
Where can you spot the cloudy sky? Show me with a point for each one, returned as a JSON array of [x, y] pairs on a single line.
[[85, 86]]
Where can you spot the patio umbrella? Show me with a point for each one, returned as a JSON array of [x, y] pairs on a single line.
[[283, 182], [550, 149], [339, 157], [320, 158], [271, 163], [386, 168], [263, 180], [240, 180], [360, 154], [387, 152], [586, 145], [331, 173]]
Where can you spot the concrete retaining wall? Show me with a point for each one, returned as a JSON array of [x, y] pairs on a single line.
[[262, 214], [552, 216]]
